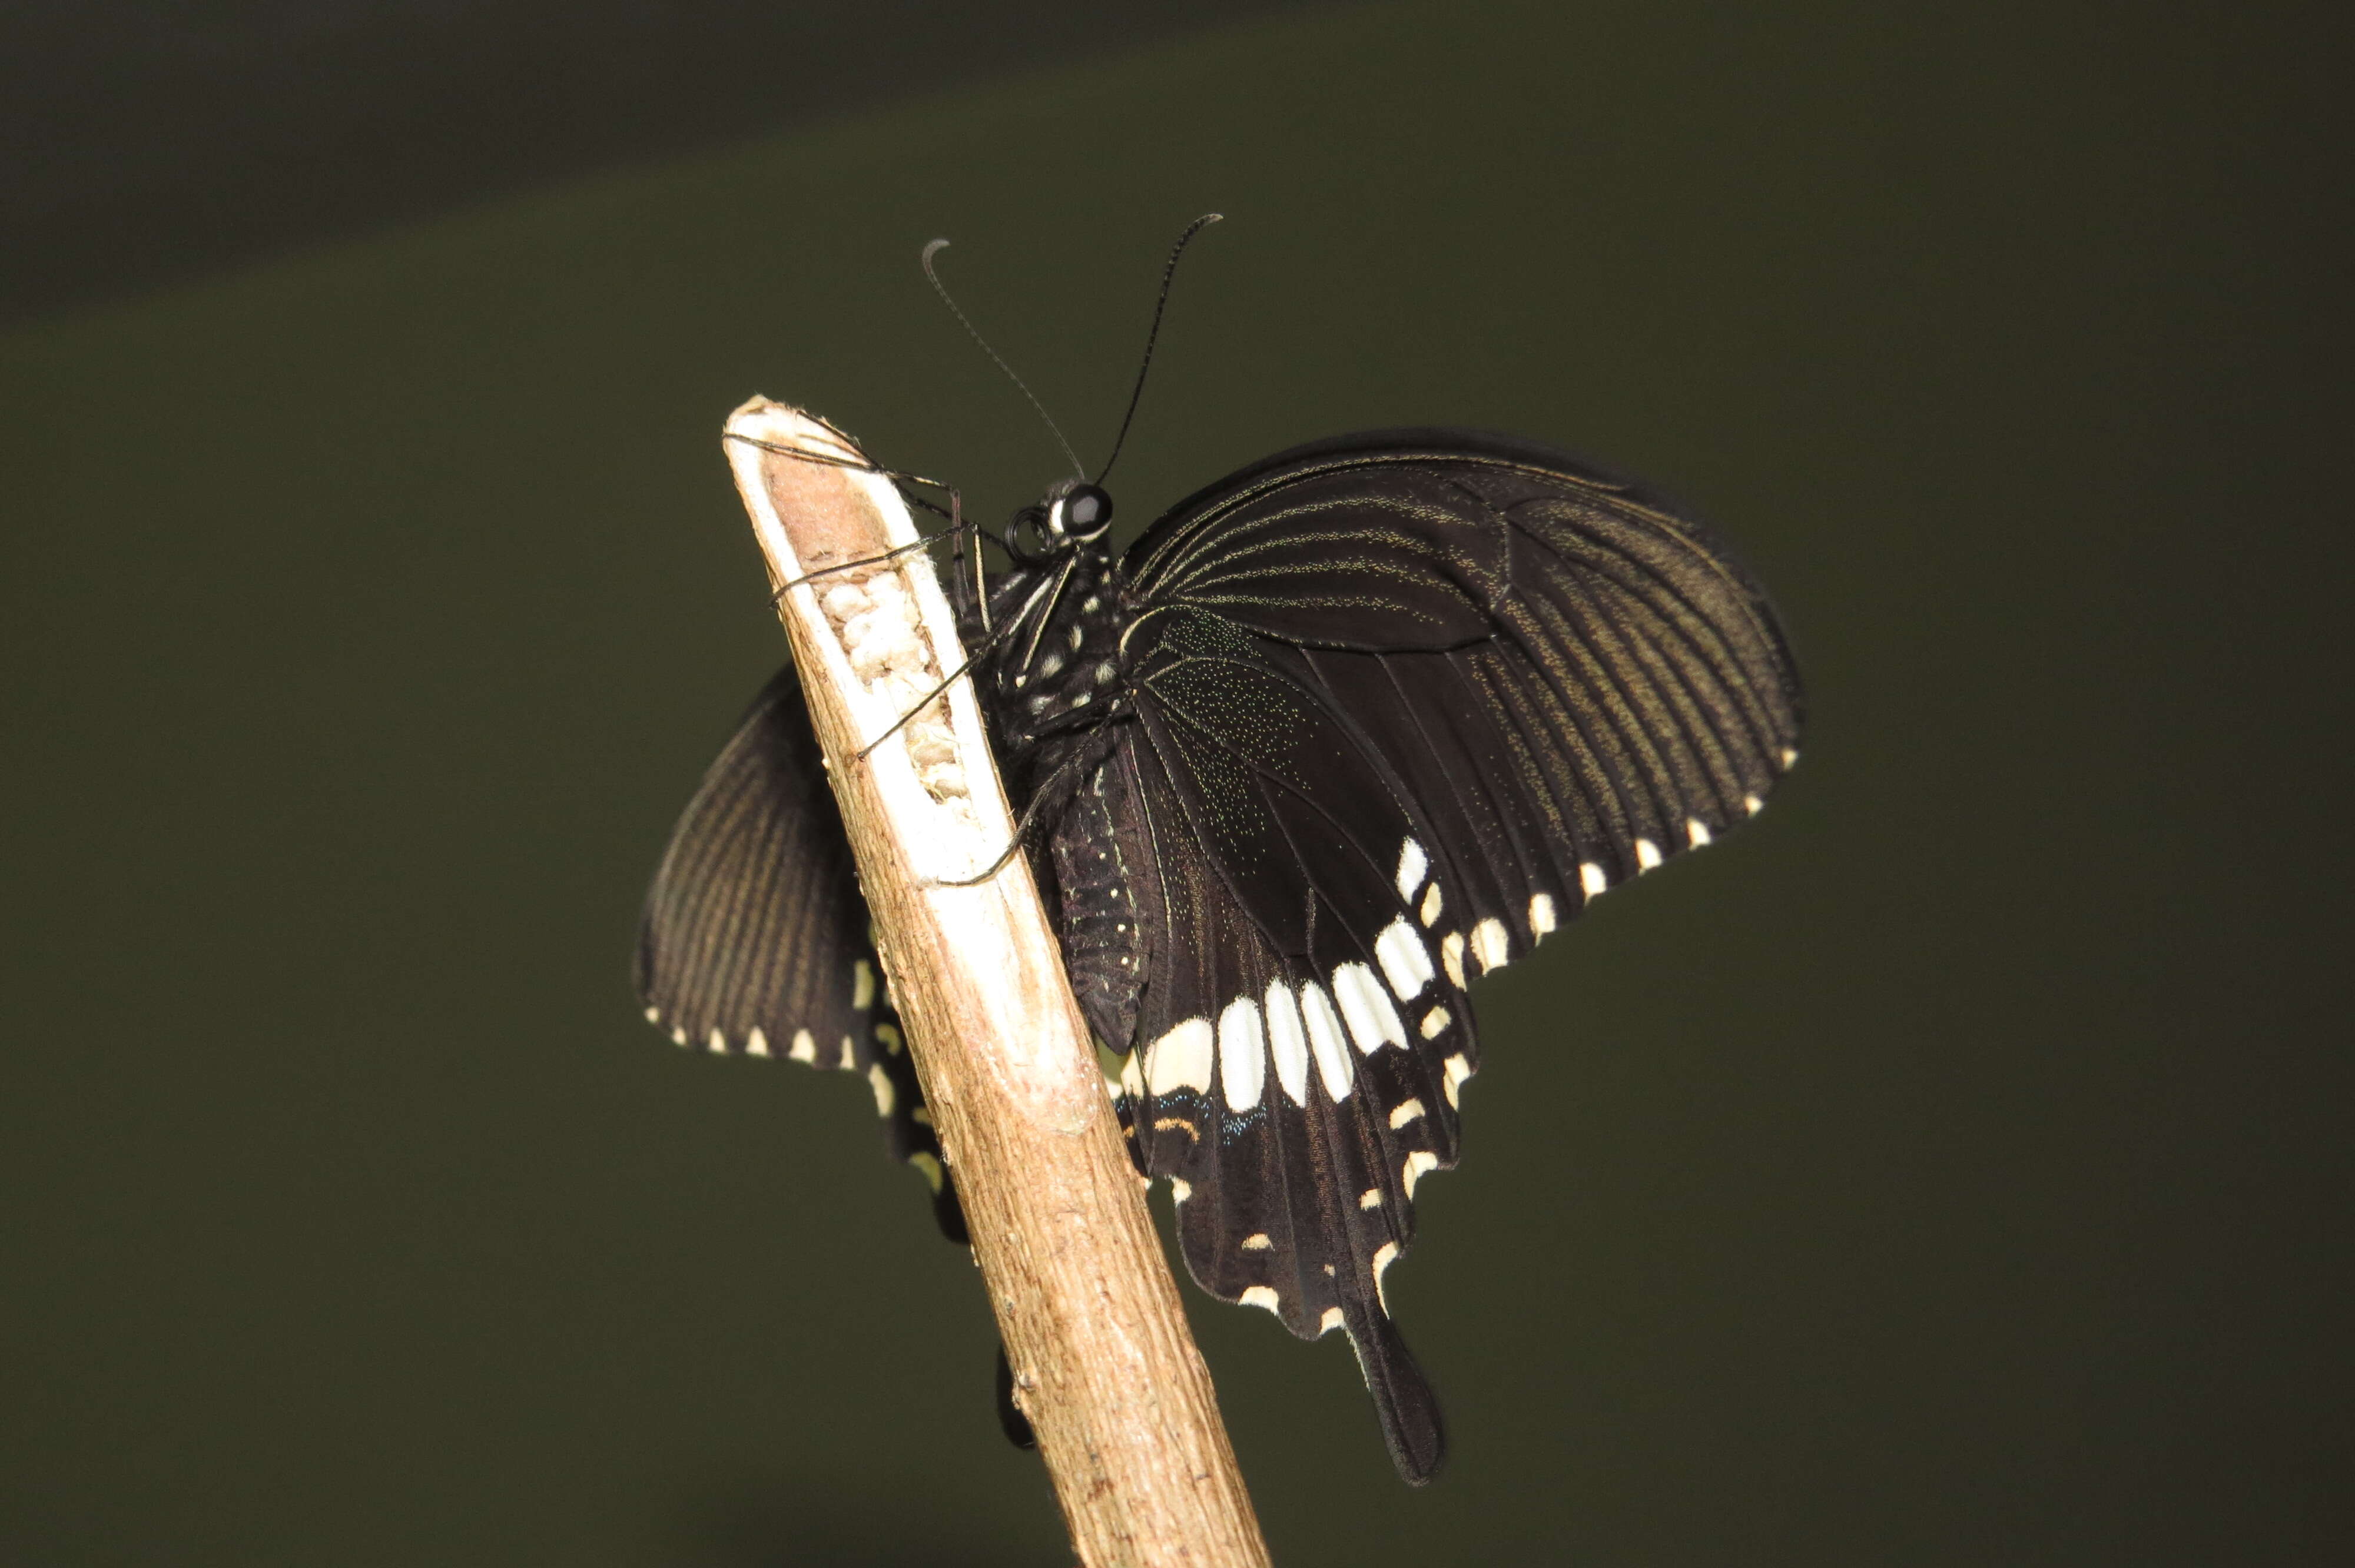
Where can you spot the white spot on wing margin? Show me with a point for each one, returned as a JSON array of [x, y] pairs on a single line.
[[1490, 945]]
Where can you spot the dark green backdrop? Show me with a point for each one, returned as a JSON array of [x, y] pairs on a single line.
[[1948, 1169]]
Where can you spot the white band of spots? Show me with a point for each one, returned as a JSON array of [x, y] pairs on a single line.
[[1181, 1058], [1366, 1008], [1243, 1054], [1412, 863], [1406, 962], [1325, 1043], [1287, 1044]]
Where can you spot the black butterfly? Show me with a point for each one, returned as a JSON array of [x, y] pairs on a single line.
[[1337, 736]]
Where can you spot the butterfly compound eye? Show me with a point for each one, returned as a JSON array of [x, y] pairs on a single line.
[[1087, 511]]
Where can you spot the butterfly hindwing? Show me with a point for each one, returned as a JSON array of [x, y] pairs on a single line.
[[754, 936]]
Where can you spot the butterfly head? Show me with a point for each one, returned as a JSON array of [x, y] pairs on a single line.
[[1071, 513]]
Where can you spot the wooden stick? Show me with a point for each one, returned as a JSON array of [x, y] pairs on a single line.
[[1104, 1364]]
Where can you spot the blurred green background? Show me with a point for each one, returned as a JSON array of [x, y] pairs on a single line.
[[1951, 1168]]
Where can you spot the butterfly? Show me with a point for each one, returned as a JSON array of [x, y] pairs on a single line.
[[1335, 736]]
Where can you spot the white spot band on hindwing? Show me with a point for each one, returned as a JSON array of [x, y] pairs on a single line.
[[1287, 1045], [1325, 1043], [1262, 1295], [1243, 1054], [1182, 1058], [1406, 962], [1366, 1008], [1412, 863]]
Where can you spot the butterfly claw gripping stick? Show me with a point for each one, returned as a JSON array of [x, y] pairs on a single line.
[[1104, 1364]]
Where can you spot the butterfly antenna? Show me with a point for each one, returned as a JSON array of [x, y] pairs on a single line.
[[941, 289], [1136, 394]]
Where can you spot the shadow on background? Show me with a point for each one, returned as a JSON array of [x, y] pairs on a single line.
[[1950, 1168]]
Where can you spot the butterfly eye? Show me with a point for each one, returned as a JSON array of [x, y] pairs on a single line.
[[1086, 512]]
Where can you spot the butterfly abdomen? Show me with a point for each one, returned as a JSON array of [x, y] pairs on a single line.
[[1103, 947]]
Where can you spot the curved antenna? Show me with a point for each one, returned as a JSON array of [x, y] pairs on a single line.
[[1136, 394], [941, 289]]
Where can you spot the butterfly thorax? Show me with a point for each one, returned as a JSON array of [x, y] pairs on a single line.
[[1056, 665], [1052, 683]]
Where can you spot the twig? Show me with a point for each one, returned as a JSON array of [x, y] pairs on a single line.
[[1104, 1364]]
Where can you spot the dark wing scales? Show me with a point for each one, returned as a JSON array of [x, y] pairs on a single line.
[[1632, 695], [754, 936], [1403, 704], [1301, 1050]]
